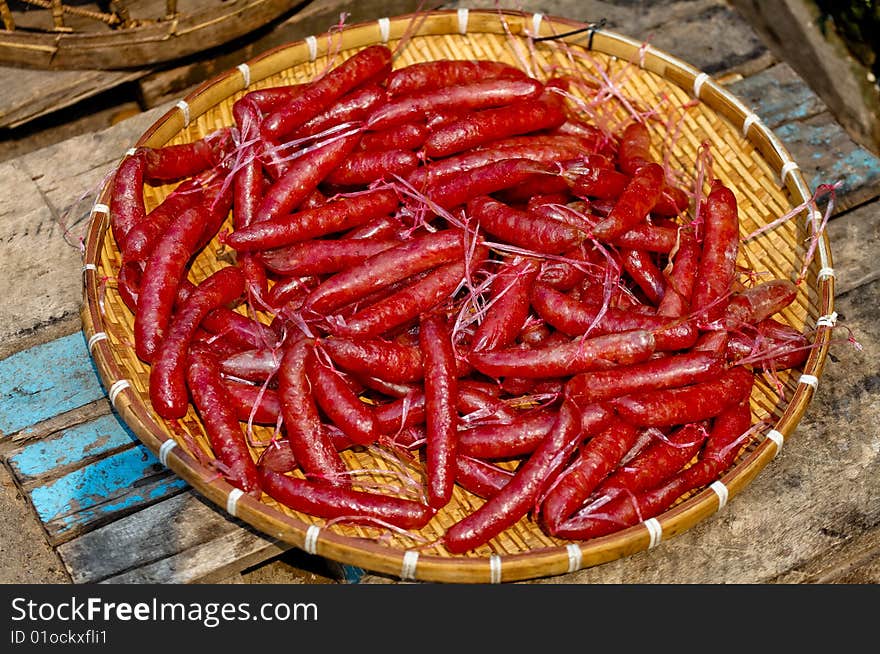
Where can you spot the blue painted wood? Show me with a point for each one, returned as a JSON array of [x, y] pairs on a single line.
[[71, 448], [352, 574], [778, 95], [114, 485], [826, 154], [45, 381]]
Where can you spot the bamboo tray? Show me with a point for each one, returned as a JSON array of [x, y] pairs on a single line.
[[747, 157]]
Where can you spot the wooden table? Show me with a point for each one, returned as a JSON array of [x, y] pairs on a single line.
[[115, 514]]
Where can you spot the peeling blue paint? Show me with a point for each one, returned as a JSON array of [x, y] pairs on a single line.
[[102, 488], [46, 380], [828, 155], [66, 448]]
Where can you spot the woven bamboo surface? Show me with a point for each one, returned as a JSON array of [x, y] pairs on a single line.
[[747, 157]]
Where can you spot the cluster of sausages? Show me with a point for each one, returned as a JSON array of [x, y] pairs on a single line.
[[444, 258]]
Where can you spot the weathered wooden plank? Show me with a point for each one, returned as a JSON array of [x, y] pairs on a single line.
[[29, 94], [71, 172], [179, 540], [853, 237], [56, 424], [854, 561], [208, 563], [72, 448], [778, 95], [46, 380], [101, 492], [826, 154], [39, 238], [801, 33], [715, 40]]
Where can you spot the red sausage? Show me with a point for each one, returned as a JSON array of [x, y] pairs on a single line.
[[482, 127], [332, 216], [311, 446], [574, 318], [407, 303], [481, 94], [370, 64], [173, 162], [302, 176], [665, 372], [441, 417], [341, 404], [634, 204], [523, 229], [448, 72], [376, 358], [519, 495], [364, 168], [481, 478], [163, 273], [127, 200], [595, 461], [397, 263], [678, 406], [509, 305], [221, 423], [332, 502], [323, 256], [141, 238], [569, 358], [168, 370], [717, 268]]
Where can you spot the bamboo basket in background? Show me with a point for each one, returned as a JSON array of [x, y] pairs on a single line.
[[113, 34], [747, 157]]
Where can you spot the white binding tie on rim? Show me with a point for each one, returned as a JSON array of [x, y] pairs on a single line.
[[245, 71], [809, 380], [787, 169], [536, 24], [408, 567], [312, 44], [575, 557], [97, 336], [462, 20], [778, 438], [655, 531], [722, 493], [828, 320], [232, 501], [751, 119], [116, 388], [131, 152], [699, 80], [183, 105], [311, 543], [384, 29], [89, 266], [495, 569], [165, 449], [825, 273], [99, 207]]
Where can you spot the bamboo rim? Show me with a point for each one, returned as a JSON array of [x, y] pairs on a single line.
[[780, 182]]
